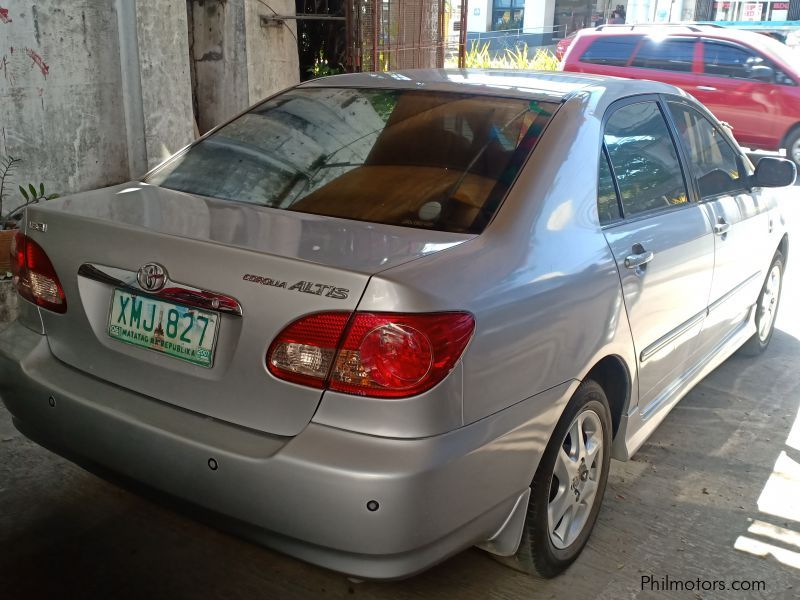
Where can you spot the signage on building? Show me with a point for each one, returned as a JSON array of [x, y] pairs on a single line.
[[751, 11]]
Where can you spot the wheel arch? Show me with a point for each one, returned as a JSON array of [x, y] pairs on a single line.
[[783, 248], [612, 374], [789, 133]]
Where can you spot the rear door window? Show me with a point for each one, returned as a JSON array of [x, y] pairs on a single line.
[[644, 159], [424, 159], [713, 160], [613, 50], [666, 54]]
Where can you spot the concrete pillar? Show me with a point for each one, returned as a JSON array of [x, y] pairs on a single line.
[[166, 91], [539, 15], [237, 62], [272, 59], [479, 15]]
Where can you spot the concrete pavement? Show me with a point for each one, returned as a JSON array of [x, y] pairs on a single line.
[[713, 496]]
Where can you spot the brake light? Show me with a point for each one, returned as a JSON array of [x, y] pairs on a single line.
[[34, 276], [383, 355]]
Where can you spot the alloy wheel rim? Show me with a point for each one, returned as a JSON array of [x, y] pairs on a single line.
[[576, 476], [795, 151], [768, 305]]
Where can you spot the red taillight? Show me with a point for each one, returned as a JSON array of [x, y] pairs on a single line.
[[384, 355], [34, 275]]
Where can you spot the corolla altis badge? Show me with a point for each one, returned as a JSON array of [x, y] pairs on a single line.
[[37, 226], [152, 277], [306, 287]]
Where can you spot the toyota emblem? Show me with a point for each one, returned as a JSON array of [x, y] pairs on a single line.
[[152, 277]]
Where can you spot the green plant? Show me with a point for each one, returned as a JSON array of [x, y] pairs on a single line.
[[31, 195], [321, 67], [479, 57], [544, 60], [7, 166]]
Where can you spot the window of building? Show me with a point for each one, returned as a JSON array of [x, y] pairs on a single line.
[[613, 50], [572, 15], [645, 160], [668, 54], [507, 14], [713, 160], [748, 10]]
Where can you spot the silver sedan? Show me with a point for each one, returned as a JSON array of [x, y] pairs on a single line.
[[379, 318]]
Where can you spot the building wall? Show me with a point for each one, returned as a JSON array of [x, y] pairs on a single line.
[[96, 92], [539, 15], [479, 13], [660, 11], [61, 109]]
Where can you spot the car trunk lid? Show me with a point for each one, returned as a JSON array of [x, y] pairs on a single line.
[[278, 265]]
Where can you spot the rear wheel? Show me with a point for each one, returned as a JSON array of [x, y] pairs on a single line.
[[568, 487], [766, 309], [792, 146]]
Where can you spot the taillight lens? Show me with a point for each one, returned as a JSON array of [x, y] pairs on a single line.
[[34, 275], [304, 351], [384, 355]]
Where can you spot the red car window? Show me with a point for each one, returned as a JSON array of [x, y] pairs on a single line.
[[611, 50]]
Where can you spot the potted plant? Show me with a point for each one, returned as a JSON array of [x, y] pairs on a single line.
[[9, 221]]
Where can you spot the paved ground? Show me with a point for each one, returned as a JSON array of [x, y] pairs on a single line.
[[714, 489]]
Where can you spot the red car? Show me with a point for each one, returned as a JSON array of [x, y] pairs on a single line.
[[563, 44], [747, 79]]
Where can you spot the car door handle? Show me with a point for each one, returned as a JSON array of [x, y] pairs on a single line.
[[722, 227], [634, 261], [706, 88]]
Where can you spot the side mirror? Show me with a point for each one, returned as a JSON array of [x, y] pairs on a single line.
[[762, 73], [774, 172]]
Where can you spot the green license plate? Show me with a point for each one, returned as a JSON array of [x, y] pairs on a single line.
[[178, 331]]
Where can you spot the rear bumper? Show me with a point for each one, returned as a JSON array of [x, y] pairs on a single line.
[[307, 495]]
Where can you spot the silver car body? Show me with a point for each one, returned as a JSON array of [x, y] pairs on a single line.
[[295, 467]]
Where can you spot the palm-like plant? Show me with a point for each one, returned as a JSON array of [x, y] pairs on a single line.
[[7, 166], [31, 195]]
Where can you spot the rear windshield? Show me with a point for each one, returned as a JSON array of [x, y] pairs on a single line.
[[415, 158]]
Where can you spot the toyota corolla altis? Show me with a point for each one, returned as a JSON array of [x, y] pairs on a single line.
[[380, 318]]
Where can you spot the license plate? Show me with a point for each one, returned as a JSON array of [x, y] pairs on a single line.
[[178, 331]]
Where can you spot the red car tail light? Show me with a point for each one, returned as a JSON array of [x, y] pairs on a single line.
[[383, 355], [34, 276]]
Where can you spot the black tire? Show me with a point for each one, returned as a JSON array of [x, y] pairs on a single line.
[[792, 146], [758, 342], [537, 554]]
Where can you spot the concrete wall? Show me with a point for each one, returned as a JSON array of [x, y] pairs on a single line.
[[60, 102], [96, 92], [90, 95]]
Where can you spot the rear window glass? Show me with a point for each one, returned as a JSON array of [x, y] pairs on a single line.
[[614, 50], [415, 158]]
